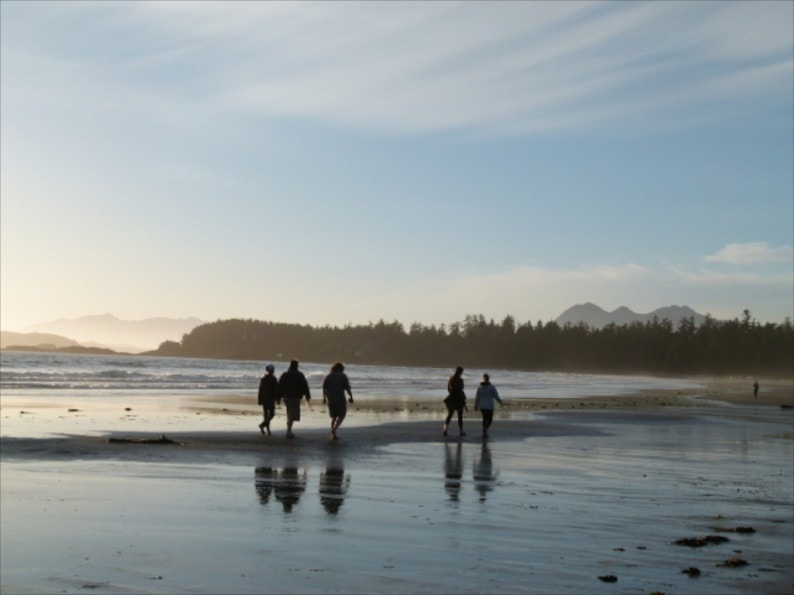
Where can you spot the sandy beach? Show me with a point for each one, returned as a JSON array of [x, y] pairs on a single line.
[[570, 496]]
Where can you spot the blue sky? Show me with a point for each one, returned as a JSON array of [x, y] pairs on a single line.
[[346, 162]]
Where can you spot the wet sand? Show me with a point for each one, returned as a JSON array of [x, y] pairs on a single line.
[[566, 496]]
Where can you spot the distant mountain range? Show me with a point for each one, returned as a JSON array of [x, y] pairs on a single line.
[[135, 336], [107, 331], [597, 318]]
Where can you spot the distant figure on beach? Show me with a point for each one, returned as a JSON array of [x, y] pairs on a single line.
[[484, 402], [292, 387], [755, 389], [335, 385], [455, 401], [268, 395]]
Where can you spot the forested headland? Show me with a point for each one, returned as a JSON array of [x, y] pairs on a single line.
[[659, 347]]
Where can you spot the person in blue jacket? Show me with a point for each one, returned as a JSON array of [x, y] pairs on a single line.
[[484, 402]]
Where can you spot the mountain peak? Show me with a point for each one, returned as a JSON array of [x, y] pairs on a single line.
[[596, 317]]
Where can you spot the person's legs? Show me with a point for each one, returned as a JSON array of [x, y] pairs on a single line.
[[460, 422], [264, 419], [338, 422], [270, 413], [487, 420], [450, 413], [293, 414]]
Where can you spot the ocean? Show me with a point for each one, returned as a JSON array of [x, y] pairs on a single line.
[[53, 375]]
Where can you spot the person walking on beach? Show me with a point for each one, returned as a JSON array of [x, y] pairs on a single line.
[[292, 387], [484, 402], [455, 401], [335, 385], [755, 389], [268, 395]]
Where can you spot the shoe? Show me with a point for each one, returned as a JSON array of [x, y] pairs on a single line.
[[262, 427], [444, 432], [268, 431], [290, 435], [334, 437], [462, 433]]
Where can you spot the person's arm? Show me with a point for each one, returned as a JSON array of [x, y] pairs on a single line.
[[348, 389], [496, 396]]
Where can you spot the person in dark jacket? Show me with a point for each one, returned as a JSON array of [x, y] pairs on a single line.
[[456, 400], [268, 395], [292, 387], [335, 385]]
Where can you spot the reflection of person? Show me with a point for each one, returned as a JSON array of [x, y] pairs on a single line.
[[755, 389], [268, 395], [456, 400], [453, 471], [292, 387], [264, 480], [483, 473], [333, 487], [335, 385], [484, 402], [289, 487]]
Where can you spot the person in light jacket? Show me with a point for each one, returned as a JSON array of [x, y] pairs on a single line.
[[484, 402]]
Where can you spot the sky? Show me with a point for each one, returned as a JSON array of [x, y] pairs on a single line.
[[342, 163]]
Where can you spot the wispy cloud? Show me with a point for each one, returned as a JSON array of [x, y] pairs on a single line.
[[523, 67], [487, 68], [752, 253]]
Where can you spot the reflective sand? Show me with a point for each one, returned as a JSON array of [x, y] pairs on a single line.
[[550, 504]]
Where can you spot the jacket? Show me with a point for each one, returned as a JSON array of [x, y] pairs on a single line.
[[268, 389], [486, 395], [293, 385]]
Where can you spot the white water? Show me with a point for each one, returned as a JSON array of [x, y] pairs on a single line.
[[53, 375]]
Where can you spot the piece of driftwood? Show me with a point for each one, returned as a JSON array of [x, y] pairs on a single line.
[[161, 440]]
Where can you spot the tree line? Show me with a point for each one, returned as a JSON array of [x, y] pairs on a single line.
[[742, 345]]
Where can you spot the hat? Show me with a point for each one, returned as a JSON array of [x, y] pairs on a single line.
[[270, 367]]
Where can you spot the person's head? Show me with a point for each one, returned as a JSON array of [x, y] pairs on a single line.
[[338, 367], [458, 371], [270, 368], [486, 378], [293, 365]]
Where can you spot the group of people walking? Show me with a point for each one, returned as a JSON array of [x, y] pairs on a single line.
[[291, 387]]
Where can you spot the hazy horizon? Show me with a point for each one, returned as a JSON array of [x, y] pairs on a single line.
[[336, 163]]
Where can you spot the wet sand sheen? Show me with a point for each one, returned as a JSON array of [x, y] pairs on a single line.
[[554, 501]]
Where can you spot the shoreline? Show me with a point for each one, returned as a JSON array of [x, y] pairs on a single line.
[[224, 425]]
